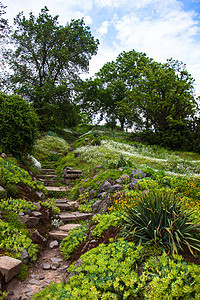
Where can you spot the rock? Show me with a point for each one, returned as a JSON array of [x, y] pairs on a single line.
[[9, 267], [53, 267], [28, 220], [91, 194], [21, 214], [125, 178], [40, 194], [41, 277], [81, 190], [36, 214], [3, 155], [56, 260], [46, 266], [63, 269], [53, 244], [136, 173], [105, 203], [24, 256], [95, 205], [102, 195], [116, 187], [38, 237], [34, 282], [28, 289], [3, 193], [104, 187], [133, 183]]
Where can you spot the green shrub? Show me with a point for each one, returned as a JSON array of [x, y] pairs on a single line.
[[12, 240], [18, 126], [75, 237], [104, 222], [16, 205], [106, 272], [159, 218], [171, 278]]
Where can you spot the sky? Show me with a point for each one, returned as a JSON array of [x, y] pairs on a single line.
[[160, 28]]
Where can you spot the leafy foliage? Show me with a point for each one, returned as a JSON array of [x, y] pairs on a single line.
[[18, 127], [46, 63], [158, 218], [73, 240]]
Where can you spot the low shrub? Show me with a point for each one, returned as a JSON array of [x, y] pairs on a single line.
[[75, 237], [104, 222]]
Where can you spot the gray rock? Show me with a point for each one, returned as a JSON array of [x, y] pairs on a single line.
[[102, 195], [53, 244], [28, 289], [40, 194], [34, 282], [95, 205], [56, 260], [136, 173], [106, 185], [133, 183], [21, 214], [28, 220], [41, 277], [24, 256], [63, 269], [105, 203], [116, 187], [91, 194], [36, 214], [46, 266], [81, 190]]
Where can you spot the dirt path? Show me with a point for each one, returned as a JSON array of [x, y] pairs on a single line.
[[50, 267]]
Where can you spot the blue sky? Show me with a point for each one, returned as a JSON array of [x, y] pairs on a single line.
[[160, 28]]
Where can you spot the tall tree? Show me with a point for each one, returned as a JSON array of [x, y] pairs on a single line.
[[47, 61], [164, 95], [105, 93]]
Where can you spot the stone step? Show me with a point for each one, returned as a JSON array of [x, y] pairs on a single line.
[[47, 171], [64, 206], [57, 188], [66, 217], [50, 182], [74, 171], [68, 227], [58, 234], [43, 176], [9, 267]]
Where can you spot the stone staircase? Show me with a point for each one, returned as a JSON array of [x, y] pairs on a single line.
[[69, 214]]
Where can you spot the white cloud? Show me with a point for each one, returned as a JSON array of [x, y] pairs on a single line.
[[104, 28]]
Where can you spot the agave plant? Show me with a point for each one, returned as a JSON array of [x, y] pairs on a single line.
[[158, 218]]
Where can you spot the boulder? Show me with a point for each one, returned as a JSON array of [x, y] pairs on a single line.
[[106, 185], [102, 195], [136, 173], [116, 187], [24, 256], [9, 267], [133, 183], [95, 205], [91, 194], [123, 179], [104, 205]]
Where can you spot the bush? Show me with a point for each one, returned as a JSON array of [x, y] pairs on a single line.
[[18, 126], [158, 218]]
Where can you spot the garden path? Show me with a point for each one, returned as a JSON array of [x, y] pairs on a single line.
[[50, 265]]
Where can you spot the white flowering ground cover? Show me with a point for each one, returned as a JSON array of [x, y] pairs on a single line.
[[143, 156]]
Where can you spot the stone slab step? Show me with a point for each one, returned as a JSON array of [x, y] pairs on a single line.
[[64, 206], [43, 176], [47, 171], [74, 171], [56, 188], [68, 227], [50, 182], [58, 234], [65, 216]]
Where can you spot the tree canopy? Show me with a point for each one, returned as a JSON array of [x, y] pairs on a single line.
[[104, 93], [47, 60]]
